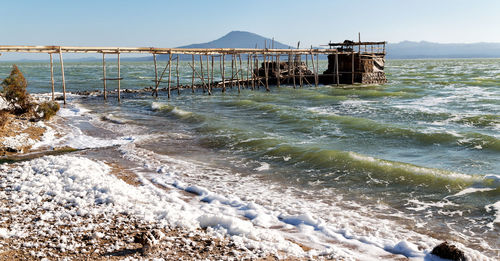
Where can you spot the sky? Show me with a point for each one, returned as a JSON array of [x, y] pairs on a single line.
[[175, 23]]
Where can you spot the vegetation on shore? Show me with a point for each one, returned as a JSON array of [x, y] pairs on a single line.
[[19, 112], [20, 102]]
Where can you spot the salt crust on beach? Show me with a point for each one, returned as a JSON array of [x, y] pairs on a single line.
[[70, 206]]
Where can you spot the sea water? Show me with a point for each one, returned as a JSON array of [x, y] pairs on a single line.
[[397, 167]]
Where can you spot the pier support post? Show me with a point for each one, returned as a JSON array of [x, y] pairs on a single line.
[[278, 69], [232, 70], [238, 73], [212, 76], [352, 72], [104, 91], [317, 69], [337, 68], [192, 77], [62, 75], [252, 73], [177, 72], [257, 75], [315, 73], [208, 77], [52, 75], [223, 72], [119, 90], [169, 73], [156, 76], [248, 70], [201, 74], [266, 72], [293, 71]]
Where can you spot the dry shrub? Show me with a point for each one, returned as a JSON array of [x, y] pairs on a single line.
[[4, 118], [15, 93], [47, 109]]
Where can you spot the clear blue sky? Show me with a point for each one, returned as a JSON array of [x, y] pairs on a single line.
[[176, 23]]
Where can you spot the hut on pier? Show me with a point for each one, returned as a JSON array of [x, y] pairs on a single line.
[[356, 62]]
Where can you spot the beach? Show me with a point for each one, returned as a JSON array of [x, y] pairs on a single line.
[[381, 172]]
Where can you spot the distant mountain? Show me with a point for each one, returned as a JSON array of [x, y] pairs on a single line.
[[234, 39], [239, 39], [413, 50]]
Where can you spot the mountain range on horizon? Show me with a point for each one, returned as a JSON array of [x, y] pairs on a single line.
[[401, 50]]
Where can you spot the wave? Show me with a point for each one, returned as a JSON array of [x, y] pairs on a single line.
[[178, 113], [471, 140]]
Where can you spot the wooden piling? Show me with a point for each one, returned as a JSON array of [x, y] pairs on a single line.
[[266, 66], [177, 72], [232, 70], [293, 72], [119, 91], [252, 73], [208, 76], [169, 73], [257, 71], [201, 74], [238, 74], [105, 92], [300, 72], [212, 76], [352, 72], [337, 68], [62, 75], [314, 71], [278, 75], [242, 76], [248, 70], [156, 76], [52, 75], [192, 77], [317, 69], [223, 72]]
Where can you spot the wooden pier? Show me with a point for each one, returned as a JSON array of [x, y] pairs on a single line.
[[346, 65]]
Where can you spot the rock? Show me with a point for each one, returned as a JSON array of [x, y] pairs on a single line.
[[148, 242], [448, 251]]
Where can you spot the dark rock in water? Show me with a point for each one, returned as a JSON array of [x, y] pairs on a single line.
[[449, 251]]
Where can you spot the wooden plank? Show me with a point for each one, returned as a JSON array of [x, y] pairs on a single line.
[[205, 51]]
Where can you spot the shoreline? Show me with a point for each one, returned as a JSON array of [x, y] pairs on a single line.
[[112, 237], [130, 176]]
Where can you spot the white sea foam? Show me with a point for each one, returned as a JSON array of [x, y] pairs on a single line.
[[263, 166], [494, 207], [471, 190]]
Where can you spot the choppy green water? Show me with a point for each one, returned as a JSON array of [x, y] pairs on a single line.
[[414, 143]]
